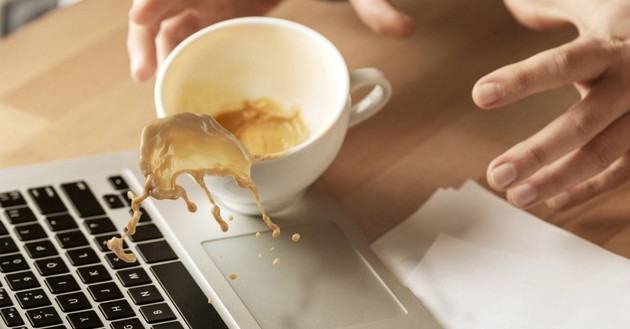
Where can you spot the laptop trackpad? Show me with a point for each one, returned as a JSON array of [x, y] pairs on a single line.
[[321, 281]]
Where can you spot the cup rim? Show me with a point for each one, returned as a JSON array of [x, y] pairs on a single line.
[[261, 20]]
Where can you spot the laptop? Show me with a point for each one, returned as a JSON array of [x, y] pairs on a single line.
[[56, 272]]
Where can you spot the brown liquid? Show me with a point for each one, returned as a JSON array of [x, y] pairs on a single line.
[[264, 127], [196, 145]]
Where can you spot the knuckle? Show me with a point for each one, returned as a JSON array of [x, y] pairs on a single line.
[[522, 80], [584, 123], [535, 155], [561, 63], [602, 154]]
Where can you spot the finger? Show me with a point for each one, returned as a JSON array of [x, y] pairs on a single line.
[[538, 15], [141, 50], [577, 167], [174, 30], [570, 131], [382, 17], [613, 177], [577, 61], [153, 12]]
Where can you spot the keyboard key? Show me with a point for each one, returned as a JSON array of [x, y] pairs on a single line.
[[93, 274], [84, 320], [132, 323], [3, 229], [105, 291], [11, 199], [144, 217], [82, 256], [145, 295], [51, 266], [125, 197], [118, 183], [133, 277], [20, 215], [116, 263], [30, 232], [117, 309], [11, 317], [47, 200], [146, 232], [191, 302], [76, 301], [153, 252], [43, 317], [62, 284], [100, 225], [169, 325], [61, 222], [4, 298], [40, 249], [83, 199], [157, 313], [72, 239], [32, 298], [7, 245], [113, 201], [22, 281], [101, 241], [12, 263]]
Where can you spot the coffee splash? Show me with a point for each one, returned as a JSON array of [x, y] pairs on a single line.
[[187, 143]]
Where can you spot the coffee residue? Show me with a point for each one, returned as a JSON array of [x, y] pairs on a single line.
[[295, 237], [276, 261], [233, 276], [196, 145]]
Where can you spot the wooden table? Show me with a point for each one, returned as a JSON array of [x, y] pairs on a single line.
[[65, 92]]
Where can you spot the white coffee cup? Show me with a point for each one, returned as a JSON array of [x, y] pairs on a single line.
[[249, 58]]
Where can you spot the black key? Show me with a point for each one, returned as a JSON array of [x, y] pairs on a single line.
[[127, 324], [113, 201], [133, 277], [116, 263], [144, 217], [76, 301], [3, 229], [118, 183], [4, 298], [12, 263], [57, 327], [191, 302], [22, 280], [51, 266], [146, 232], [153, 252], [11, 317], [30, 232], [47, 200], [84, 320], [43, 317], [105, 291], [61, 222], [93, 274], [7, 245], [62, 284], [125, 197], [20, 215], [145, 295], [72, 239], [100, 225], [117, 309], [32, 298], [169, 325], [157, 313], [39, 249], [82, 256], [11, 199], [101, 241], [83, 199]]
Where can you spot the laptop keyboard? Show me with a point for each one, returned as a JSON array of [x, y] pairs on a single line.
[[57, 272]]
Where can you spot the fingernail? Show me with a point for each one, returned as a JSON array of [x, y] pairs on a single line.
[[560, 201], [502, 176], [487, 93], [523, 195]]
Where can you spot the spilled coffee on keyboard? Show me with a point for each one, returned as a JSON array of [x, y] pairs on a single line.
[[196, 144]]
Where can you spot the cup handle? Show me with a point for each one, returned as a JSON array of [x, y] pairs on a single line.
[[375, 99]]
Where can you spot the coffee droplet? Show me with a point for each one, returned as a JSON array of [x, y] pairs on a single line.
[[276, 261], [258, 234], [209, 300], [233, 276], [295, 237]]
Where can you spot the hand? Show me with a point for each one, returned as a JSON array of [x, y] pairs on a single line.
[[586, 150], [156, 27]]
